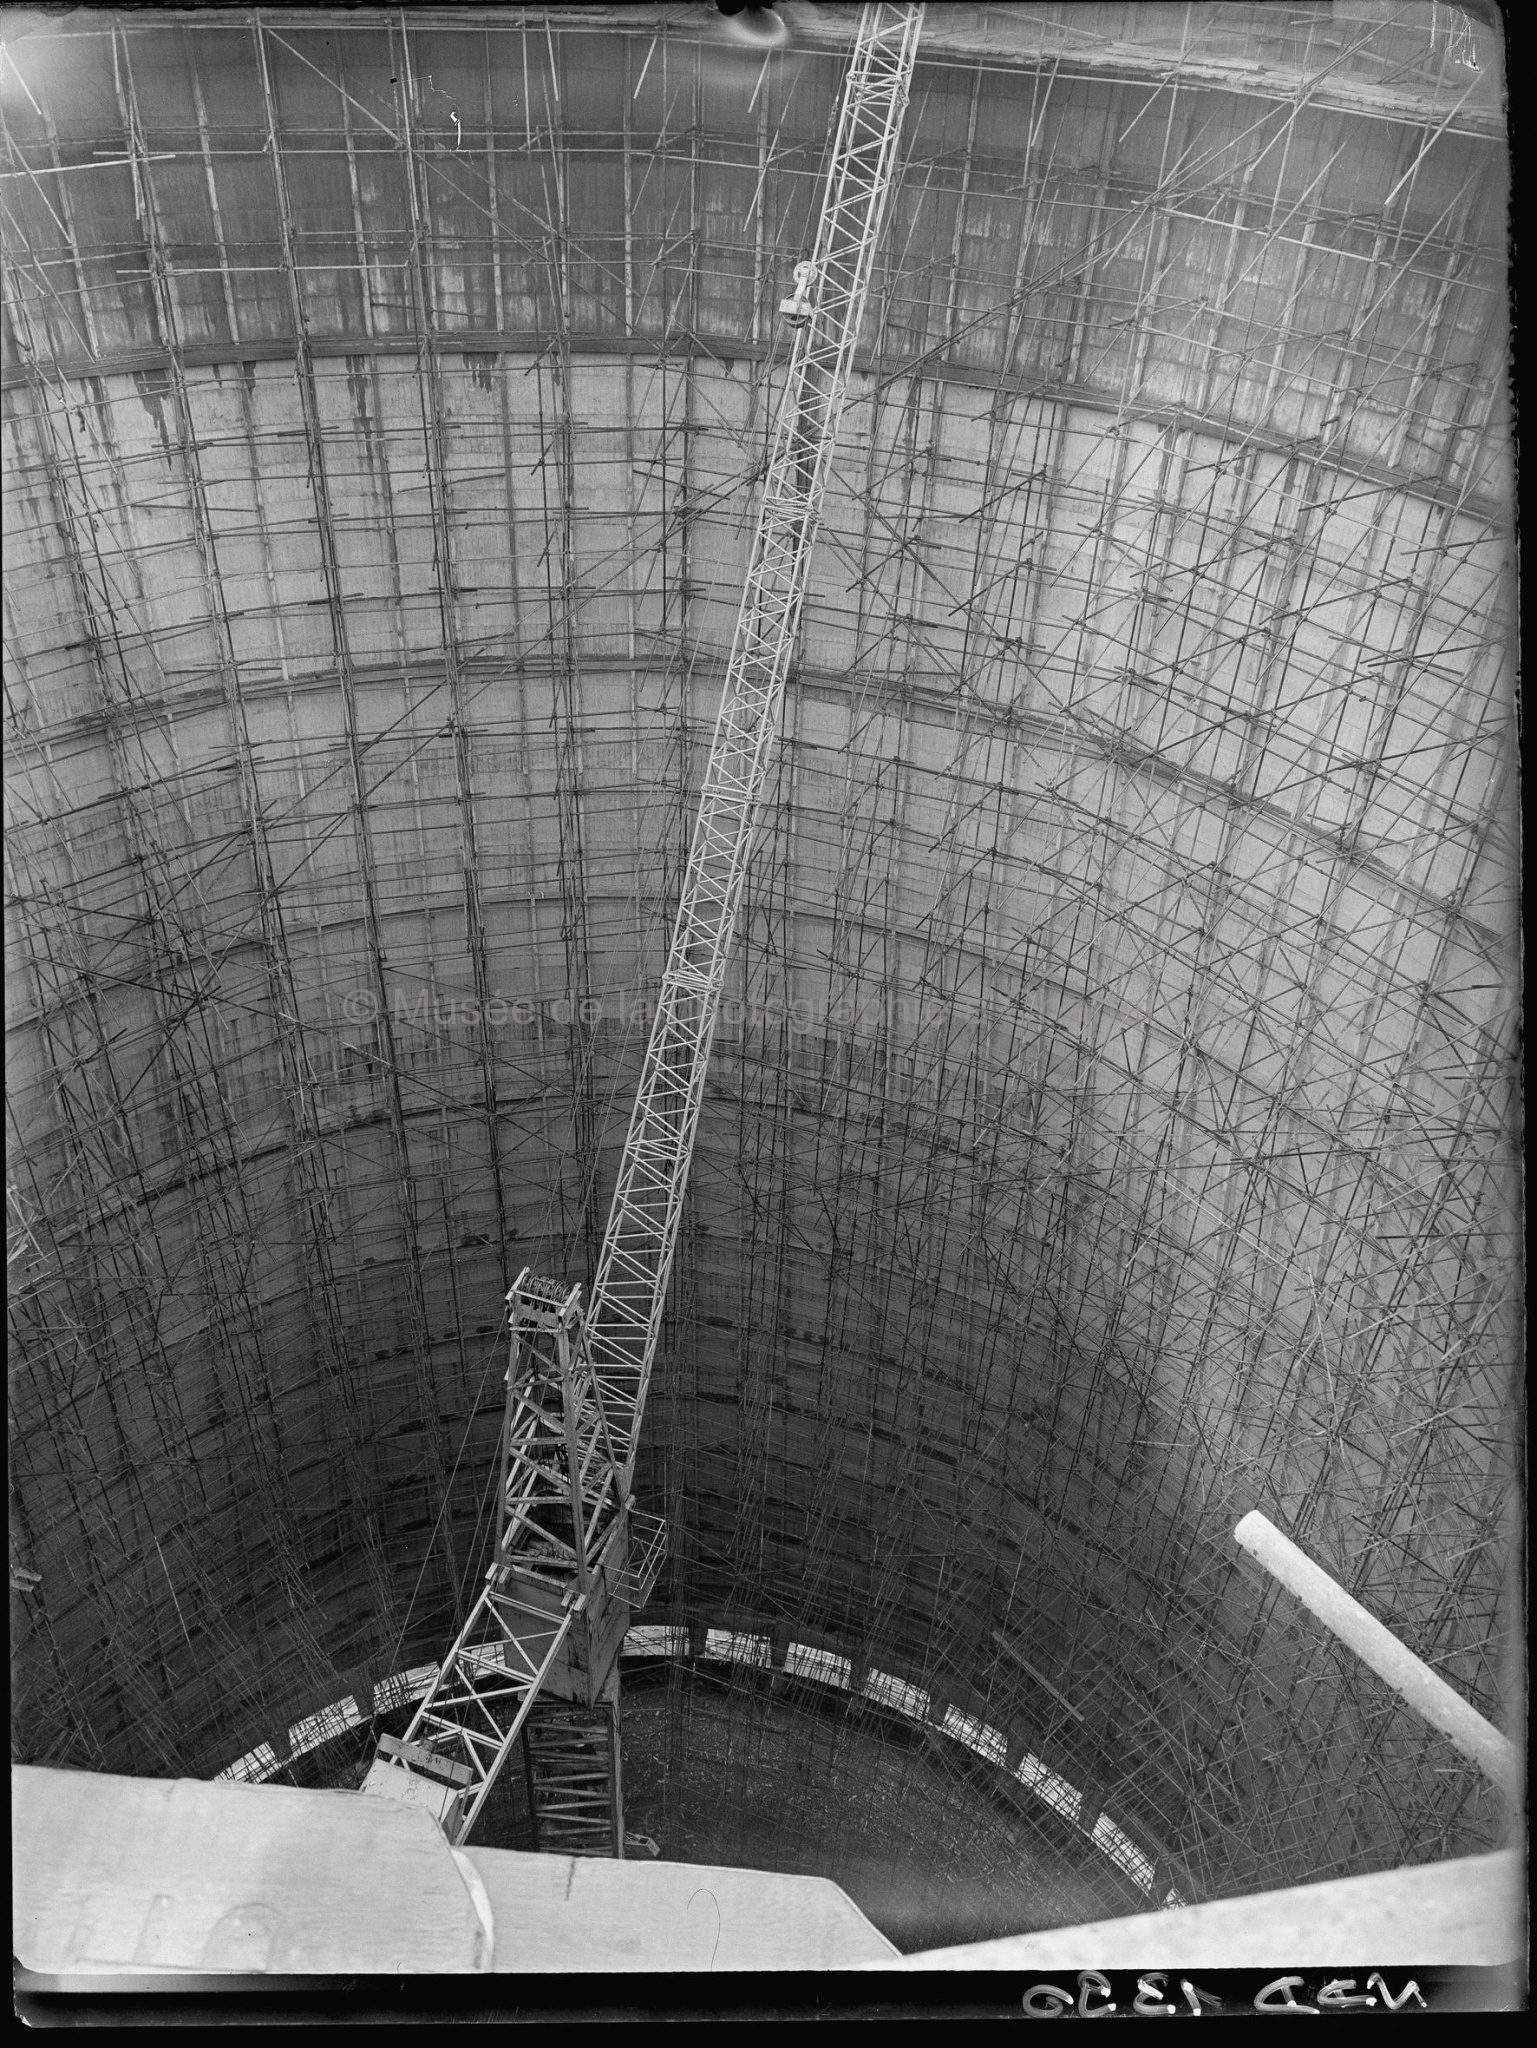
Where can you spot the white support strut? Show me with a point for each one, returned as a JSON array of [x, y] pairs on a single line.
[[571, 1556], [1424, 1690]]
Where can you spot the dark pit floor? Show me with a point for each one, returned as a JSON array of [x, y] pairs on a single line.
[[735, 1774]]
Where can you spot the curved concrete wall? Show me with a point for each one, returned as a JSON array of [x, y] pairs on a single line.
[[1110, 1128]]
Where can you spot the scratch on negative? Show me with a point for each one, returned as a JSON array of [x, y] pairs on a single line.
[[704, 1893]]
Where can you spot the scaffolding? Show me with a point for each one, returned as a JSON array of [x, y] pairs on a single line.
[[1110, 1124]]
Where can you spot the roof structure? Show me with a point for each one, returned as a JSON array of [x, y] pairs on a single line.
[[1112, 1127]]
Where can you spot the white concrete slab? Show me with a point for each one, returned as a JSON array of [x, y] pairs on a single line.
[[583, 1913], [145, 1875], [1469, 1910], [134, 1876]]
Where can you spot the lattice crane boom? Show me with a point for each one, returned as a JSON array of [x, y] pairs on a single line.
[[571, 1558], [630, 1287]]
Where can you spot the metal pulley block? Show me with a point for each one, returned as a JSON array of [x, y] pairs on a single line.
[[799, 308]]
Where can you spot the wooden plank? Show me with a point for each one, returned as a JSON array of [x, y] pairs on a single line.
[[421, 1758]]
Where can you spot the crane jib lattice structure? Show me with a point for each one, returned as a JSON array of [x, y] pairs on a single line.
[[539, 1652]]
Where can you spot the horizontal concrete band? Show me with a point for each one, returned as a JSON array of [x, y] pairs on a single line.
[[1141, 54], [725, 349]]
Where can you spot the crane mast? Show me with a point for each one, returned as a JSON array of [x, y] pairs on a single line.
[[538, 1655]]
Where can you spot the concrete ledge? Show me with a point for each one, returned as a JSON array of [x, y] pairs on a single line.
[[124, 1878], [174, 1875], [1428, 1915], [578, 1913]]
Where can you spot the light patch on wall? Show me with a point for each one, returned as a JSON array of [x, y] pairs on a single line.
[[315, 1729], [402, 1687], [255, 1765], [896, 1693], [754, 1651], [987, 1742], [1045, 1784], [802, 1661]]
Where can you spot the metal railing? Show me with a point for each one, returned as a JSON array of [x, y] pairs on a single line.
[[648, 1552]]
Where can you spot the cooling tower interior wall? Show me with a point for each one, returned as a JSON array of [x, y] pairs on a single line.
[[1112, 1123]]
